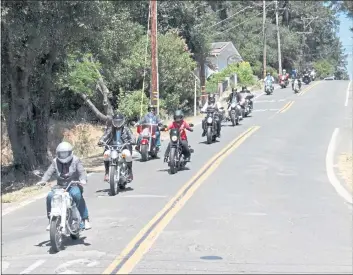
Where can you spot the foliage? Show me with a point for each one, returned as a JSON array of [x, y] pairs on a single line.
[[82, 73], [130, 104], [323, 68]]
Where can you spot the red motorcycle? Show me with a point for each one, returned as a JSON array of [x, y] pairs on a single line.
[[147, 145], [283, 81]]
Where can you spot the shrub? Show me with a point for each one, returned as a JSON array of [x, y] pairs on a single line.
[[323, 68]]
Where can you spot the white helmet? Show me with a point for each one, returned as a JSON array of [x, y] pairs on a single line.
[[64, 152]]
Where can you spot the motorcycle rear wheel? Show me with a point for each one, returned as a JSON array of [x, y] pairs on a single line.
[[144, 152]]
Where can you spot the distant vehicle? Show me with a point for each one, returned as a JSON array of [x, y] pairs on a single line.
[[330, 78]]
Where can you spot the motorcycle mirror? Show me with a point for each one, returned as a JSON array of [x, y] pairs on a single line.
[[191, 125]]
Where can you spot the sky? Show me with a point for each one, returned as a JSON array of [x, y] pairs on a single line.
[[345, 36]]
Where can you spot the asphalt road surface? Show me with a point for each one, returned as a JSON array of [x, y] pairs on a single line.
[[257, 201]]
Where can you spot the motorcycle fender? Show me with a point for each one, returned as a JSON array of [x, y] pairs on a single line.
[[144, 142]]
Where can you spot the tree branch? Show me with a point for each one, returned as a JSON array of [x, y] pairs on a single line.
[[98, 113]]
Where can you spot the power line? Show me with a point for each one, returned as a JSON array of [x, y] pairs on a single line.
[[244, 21]]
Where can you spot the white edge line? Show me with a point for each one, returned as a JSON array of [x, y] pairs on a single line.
[[33, 267], [29, 201], [347, 94], [330, 171]]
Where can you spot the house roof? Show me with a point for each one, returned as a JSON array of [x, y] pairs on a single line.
[[217, 47]]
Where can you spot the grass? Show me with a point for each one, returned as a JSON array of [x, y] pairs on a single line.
[[24, 193], [345, 166]]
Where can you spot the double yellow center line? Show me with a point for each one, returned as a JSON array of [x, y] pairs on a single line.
[[285, 107], [144, 240]]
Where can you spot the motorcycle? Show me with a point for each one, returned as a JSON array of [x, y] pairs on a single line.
[[306, 78], [234, 113], [64, 217], [296, 86], [176, 158], [211, 125], [118, 170], [283, 81], [147, 145], [312, 75], [268, 87]]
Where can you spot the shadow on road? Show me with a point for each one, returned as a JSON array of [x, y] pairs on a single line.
[[106, 191], [66, 242]]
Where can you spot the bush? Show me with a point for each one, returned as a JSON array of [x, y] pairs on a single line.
[[130, 104], [323, 68]]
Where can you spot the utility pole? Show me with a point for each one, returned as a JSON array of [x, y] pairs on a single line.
[[264, 35], [154, 96], [278, 41]]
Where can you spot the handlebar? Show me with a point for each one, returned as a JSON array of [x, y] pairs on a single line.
[[116, 145]]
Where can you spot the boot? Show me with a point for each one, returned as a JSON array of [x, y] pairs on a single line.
[[106, 175], [131, 176]]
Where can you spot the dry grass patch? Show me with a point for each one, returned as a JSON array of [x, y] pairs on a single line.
[[345, 166], [22, 194]]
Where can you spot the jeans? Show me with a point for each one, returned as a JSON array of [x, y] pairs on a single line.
[[186, 150], [76, 195], [158, 139]]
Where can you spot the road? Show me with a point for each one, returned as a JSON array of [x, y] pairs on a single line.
[[264, 205]]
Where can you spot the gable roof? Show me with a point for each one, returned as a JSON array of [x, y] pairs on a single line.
[[217, 47]]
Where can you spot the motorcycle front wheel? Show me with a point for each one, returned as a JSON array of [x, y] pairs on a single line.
[[55, 234], [112, 183], [209, 135], [172, 162]]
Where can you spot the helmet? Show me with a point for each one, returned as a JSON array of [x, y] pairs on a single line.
[[284, 71], [118, 120], [151, 108], [64, 152], [268, 73], [211, 98], [178, 115], [234, 89], [243, 88]]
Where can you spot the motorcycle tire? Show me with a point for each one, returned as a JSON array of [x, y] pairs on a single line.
[[144, 152], [233, 119], [56, 239], [112, 184], [209, 135], [172, 163]]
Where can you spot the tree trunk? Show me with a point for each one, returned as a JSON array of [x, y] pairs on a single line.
[[89, 103], [103, 89]]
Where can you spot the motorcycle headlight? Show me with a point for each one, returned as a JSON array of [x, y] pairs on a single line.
[[233, 105], [56, 201], [209, 120], [174, 138], [114, 154]]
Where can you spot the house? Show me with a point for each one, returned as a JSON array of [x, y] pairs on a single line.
[[221, 55]]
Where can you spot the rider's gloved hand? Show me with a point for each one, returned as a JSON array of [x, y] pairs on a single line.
[[83, 182], [41, 183]]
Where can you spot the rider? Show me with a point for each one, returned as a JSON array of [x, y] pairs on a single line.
[[116, 131], [246, 94], [211, 103], [294, 73], [270, 78], [182, 125], [68, 167], [297, 77], [151, 115]]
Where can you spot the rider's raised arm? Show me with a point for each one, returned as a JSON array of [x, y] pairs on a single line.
[[107, 130], [204, 108], [81, 171], [51, 170]]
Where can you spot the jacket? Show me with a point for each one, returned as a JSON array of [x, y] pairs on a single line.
[[111, 134], [216, 105], [66, 172], [147, 117]]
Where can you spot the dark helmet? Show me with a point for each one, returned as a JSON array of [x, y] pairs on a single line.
[[243, 88], [151, 108], [211, 98], [234, 90], [178, 115], [118, 120]]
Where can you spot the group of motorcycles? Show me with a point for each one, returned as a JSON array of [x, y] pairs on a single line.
[[307, 78]]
